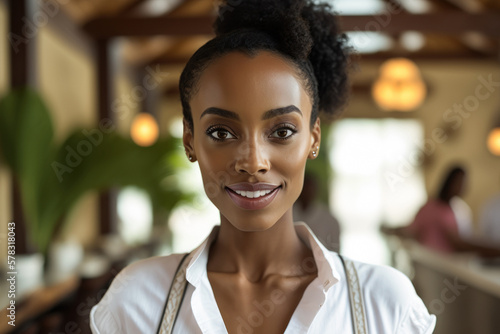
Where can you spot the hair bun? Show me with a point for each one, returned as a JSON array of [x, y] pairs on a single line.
[[303, 30], [329, 56], [280, 19]]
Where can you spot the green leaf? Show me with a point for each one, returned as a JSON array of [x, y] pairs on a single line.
[[53, 178]]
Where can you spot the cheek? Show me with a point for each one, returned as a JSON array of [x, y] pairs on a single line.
[[290, 161], [214, 167]]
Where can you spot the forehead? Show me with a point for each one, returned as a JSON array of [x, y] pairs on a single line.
[[255, 84]]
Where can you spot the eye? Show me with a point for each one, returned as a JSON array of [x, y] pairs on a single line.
[[284, 133], [219, 134]]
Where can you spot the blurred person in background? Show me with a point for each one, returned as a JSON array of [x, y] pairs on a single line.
[[436, 223], [316, 214], [461, 210], [489, 219], [444, 223]]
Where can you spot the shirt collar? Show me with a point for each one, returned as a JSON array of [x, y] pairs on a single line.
[[327, 274]]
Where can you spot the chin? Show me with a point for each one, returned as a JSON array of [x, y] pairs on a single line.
[[250, 228], [252, 224]]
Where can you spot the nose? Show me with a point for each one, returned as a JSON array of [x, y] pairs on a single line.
[[252, 159]]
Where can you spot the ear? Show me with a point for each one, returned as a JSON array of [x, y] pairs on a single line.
[[187, 140], [315, 140]]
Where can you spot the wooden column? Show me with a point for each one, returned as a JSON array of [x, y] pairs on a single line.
[[107, 198], [22, 49]]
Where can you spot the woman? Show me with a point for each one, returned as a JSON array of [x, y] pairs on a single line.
[[251, 98], [437, 224]]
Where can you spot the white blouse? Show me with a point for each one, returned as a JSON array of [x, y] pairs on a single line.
[[135, 300]]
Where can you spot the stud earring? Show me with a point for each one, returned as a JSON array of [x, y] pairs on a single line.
[[190, 158], [314, 152]]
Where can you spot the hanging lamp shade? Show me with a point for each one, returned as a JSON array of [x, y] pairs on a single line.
[[399, 86]]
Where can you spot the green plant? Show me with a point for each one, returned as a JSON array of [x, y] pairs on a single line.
[[320, 167], [52, 177]]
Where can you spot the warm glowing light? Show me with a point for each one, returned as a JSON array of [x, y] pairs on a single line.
[[494, 141], [144, 130], [399, 86]]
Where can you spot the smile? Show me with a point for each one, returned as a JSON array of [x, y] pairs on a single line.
[[252, 200], [253, 194]]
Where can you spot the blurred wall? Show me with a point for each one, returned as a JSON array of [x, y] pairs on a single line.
[[67, 81], [464, 134], [66, 78], [124, 86]]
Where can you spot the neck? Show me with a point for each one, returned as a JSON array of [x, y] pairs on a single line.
[[256, 255]]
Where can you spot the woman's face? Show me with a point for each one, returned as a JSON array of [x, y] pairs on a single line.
[[251, 137]]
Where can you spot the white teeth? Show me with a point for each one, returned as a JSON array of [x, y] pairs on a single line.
[[253, 194]]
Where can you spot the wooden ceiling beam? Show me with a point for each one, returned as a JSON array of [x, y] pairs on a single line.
[[452, 22], [149, 26], [470, 6], [474, 40], [427, 56], [85, 10], [479, 43], [443, 5], [194, 8]]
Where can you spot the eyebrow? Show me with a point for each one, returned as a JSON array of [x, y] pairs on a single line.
[[267, 115], [281, 111]]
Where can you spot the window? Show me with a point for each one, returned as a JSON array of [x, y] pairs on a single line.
[[374, 181]]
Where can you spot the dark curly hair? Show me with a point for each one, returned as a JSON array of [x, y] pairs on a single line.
[[300, 31]]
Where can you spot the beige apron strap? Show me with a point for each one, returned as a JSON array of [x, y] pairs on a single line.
[[174, 298], [356, 297]]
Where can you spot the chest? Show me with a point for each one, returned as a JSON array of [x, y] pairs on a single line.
[[251, 308]]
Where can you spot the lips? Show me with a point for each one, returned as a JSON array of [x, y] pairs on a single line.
[[252, 196]]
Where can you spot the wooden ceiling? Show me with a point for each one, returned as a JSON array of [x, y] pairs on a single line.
[[452, 28], [168, 31]]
